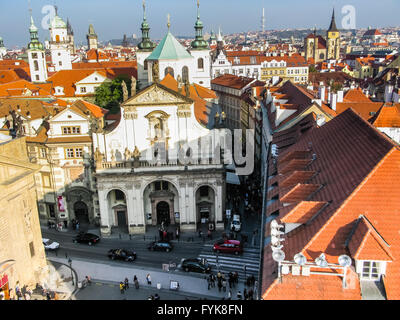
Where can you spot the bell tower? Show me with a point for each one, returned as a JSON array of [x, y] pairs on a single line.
[[333, 40]]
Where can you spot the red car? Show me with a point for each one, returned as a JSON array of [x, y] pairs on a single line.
[[228, 246]]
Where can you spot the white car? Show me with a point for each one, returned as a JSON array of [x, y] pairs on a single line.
[[236, 225], [50, 245]]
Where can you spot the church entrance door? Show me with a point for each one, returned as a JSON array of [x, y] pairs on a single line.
[[163, 213]]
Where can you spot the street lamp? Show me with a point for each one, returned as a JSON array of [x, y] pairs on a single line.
[[70, 266]]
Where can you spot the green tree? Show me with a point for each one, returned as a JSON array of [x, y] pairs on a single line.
[[109, 94], [312, 69]]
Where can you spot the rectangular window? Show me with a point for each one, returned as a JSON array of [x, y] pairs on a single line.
[[46, 180], [71, 130], [51, 210], [32, 249], [43, 153], [69, 153], [370, 270], [83, 89], [34, 55], [78, 153]]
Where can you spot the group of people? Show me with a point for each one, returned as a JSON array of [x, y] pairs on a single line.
[[221, 282], [25, 293], [75, 224], [124, 285]]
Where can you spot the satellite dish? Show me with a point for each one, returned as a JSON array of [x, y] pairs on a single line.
[[278, 256], [321, 261], [344, 260], [276, 248], [275, 225], [276, 233], [276, 240], [300, 259]]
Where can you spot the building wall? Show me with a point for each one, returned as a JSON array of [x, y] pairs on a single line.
[[20, 234]]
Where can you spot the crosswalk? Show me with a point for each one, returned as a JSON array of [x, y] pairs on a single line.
[[231, 263]]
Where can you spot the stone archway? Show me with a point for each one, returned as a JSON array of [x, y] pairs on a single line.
[[163, 212], [81, 212], [83, 198]]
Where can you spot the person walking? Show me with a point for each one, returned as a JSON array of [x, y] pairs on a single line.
[[245, 294], [208, 282], [177, 233], [148, 278], [239, 295], [126, 283], [236, 278], [230, 279], [251, 293], [219, 284], [224, 283], [136, 282], [212, 281], [121, 287], [156, 297], [229, 295]]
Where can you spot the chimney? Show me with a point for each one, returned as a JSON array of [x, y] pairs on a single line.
[[340, 96], [333, 101], [321, 92]]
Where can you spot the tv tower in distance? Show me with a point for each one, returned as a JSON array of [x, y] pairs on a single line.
[[263, 20]]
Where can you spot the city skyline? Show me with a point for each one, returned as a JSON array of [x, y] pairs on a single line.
[[287, 14]]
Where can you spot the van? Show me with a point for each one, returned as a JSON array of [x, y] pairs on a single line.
[[236, 225]]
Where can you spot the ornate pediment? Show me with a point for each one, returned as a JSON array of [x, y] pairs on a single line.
[[155, 95]]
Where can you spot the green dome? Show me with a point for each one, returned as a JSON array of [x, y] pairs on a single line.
[[58, 23], [35, 46]]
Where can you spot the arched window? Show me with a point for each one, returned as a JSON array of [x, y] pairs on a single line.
[[145, 64], [170, 71], [185, 74], [36, 65], [322, 56], [200, 63], [57, 38]]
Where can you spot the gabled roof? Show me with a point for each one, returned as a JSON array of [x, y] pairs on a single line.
[[232, 81], [366, 110], [355, 95], [388, 116], [356, 165], [169, 49]]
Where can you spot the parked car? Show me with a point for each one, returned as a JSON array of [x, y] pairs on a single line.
[[50, 245], [88, 238], [195, 265], [122, 254], [236, 225], [228, 246], [160, 246]]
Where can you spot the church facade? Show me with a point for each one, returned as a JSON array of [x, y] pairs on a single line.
[[142, 180]]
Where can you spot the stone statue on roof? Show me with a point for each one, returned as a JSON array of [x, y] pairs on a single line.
[[156, 72], [124, 91], [187, 89], [133, 86]]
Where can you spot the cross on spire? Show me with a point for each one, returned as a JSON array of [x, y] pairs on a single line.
[[168, 21], [144, 9]]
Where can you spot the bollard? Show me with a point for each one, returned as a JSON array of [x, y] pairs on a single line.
[[66, 255]]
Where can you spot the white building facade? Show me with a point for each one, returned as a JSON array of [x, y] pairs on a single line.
[[60, 45]]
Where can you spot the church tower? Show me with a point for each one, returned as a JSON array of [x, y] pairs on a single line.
[[145, 49], [92, 38], [59, 44], [3, 50], [333, 40], [70, 37], [36, 56], [201, 52]]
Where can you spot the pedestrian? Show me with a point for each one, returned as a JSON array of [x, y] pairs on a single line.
[[160, 234], [48, 297], [126, 284], [230, 295], [209, 282], [212, 281], [245, 294], [209, 234], [88, 280], [121, 287], [136, 282], [200, 233], [177, 233], [236, 277], [219, 284], [77, 225], [156, 297], [239, 295], [224, 283], [165, 235], [251, 293], [148, 278]]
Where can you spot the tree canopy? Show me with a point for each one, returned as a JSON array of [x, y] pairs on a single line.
[[109, 95]]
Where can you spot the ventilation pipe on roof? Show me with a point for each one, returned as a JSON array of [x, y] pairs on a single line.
[[321, 92], [340, 96]]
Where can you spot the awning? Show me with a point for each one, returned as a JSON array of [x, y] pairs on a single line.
[[232, 178]]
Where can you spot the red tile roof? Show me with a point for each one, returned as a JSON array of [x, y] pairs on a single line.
[[355, 95], [232, 81], [356, 165], [388, 116]]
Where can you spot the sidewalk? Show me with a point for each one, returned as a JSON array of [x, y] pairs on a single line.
[[191, 285]]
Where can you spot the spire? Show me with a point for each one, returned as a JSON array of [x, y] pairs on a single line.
[[145, 44], [199, 42], [168, 21], [33, 30], [332, 27]]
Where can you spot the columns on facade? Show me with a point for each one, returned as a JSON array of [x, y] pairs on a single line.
[[105, 222], [219, 206]]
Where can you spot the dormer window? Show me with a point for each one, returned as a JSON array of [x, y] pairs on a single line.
[[370, 270]]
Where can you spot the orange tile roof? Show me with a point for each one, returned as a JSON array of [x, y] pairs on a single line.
[[366, 110], [303, 212], [18, 88], [367, 244], [355, 95], [387, 117], [232, 81], [82, 139], [358, 166], [95, 110], [298, 193]]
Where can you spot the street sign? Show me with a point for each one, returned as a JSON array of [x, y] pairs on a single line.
[[228, 213], [174, 285]]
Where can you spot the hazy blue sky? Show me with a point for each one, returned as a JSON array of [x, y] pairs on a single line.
[[113, 18]]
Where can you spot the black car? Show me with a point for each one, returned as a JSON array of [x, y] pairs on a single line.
[[195, 265], [88, 238], [122, 254], [160, 246]]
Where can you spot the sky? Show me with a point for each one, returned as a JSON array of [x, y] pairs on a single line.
[[114, 18]]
